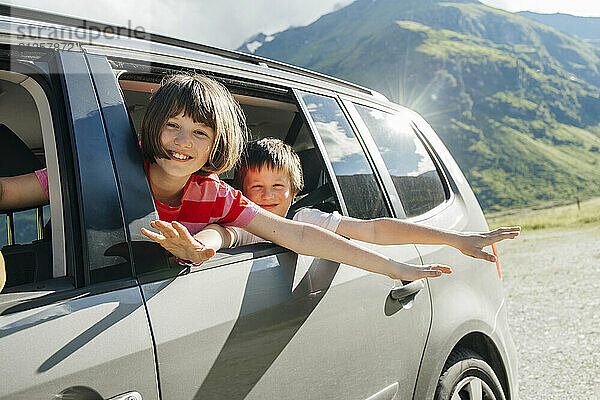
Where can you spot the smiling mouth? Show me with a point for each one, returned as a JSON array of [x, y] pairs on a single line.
[[178, 156]]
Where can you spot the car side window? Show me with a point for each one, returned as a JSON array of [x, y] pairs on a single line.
[[32, 244], [411, 167], [270, 112], [359, 187]]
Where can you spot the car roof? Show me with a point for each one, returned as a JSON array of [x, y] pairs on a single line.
[[61, 27]]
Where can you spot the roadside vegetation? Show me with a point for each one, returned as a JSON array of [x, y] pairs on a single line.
[[550, 217]]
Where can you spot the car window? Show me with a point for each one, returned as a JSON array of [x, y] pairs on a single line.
[[267, 115], [360, 189], [413, 172], [31, 242], [76, 241]]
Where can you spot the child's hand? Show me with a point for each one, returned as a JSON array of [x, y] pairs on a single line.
[[177, 240], [410, 272], [473, 244]]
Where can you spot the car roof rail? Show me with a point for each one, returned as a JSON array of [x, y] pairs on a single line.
[[48, 17]]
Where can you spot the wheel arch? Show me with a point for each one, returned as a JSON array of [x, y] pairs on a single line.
[[483, 345], [471, 336]]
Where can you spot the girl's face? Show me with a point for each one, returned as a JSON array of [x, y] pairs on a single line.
[[188, 145]]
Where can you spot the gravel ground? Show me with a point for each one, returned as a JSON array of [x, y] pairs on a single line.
[[552, 287]]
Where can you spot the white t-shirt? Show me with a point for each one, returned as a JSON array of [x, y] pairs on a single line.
[[329, 221]]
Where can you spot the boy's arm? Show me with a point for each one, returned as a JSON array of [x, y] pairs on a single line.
[[394, 231], [23, 191], [318, 242]]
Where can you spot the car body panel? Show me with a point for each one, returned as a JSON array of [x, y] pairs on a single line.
[[460, 305], [277, 318], [101, 342], [81, 341]]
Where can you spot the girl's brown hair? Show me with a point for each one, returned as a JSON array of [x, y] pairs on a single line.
[[207, 102]]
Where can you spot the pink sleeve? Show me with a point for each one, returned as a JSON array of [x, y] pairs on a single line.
[[248, 212], [240, 211], [42, 175]]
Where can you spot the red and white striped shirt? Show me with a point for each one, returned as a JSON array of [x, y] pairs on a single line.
[[205, 200]]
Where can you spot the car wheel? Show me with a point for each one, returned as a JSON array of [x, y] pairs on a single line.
[[466, 376]]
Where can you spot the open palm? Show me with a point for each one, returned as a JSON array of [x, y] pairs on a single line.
[[177, 240], [473, 244]]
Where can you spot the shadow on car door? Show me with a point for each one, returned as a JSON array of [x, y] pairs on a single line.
[[219, 330], [281, 326]]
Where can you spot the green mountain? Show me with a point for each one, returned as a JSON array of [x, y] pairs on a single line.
[[586, 28], [516, 102]]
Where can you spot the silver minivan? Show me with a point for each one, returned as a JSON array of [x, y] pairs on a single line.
[[93, 310]]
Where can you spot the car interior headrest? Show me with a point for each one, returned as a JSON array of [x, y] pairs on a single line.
[[15, 157], [311, 169]]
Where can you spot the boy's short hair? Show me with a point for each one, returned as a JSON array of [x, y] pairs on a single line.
[[207, 102], [271, 153]]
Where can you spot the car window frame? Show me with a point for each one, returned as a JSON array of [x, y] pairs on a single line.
[[323, 151], [37, 84], [71, 284], [378, 163], [449, 194], [44, 86], [225, 257]]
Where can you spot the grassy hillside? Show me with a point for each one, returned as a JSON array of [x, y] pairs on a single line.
[[587, 28], [516, 102]]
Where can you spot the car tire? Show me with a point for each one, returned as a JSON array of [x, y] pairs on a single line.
[[466, 376]]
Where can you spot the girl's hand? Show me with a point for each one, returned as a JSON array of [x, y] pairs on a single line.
[[177, 240], [410, 272], [473, 244]]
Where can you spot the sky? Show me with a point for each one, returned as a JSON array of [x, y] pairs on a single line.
[[228, 23]]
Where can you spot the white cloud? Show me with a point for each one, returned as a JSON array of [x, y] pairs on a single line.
[[227, 23], [340, 145]]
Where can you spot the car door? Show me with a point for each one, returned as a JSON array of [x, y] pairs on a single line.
[[434, 192], [375, 343], [84, 334], [217, 328]]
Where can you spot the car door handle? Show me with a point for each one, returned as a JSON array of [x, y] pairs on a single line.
[[407, 290], [127, 396]]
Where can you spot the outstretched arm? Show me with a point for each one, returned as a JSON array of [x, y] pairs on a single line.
[[394, 231], [318, 242], [23, 191]]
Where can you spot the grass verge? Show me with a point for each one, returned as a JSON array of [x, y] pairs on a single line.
[[562, 216]]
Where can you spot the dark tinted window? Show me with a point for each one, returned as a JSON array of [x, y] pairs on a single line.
[[413, 172], [360, 190]]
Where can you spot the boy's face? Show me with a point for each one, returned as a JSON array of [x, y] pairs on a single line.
[[269, 188]]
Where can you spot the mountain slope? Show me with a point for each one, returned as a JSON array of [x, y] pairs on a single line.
[[586, 28], [516, 102]]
